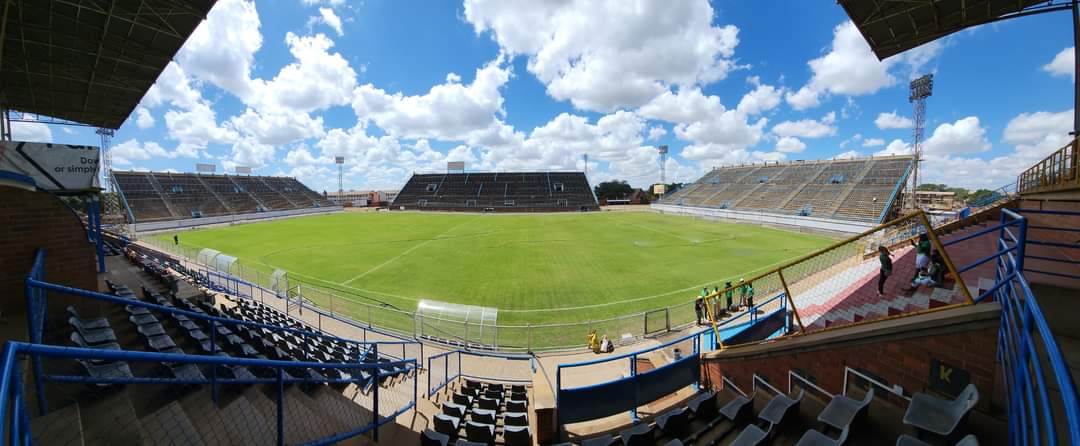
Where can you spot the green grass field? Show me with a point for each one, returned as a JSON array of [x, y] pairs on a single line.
[[535, 268]]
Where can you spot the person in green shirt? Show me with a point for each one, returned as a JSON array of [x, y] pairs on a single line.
[[730, 294], [886, 269], [749, 295]]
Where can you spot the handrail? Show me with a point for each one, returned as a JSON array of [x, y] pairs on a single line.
[[755, 379], [725, 382], [1022, 362], [446, 367], [895, 192], [20, 424], [879, 384], [792, 374]]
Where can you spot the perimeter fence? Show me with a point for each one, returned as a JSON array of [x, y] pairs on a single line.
[[818, 287]]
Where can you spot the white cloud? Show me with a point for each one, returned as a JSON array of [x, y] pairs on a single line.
[[896, 147], [329, 18], [327, 2], [143, 118], [222, 48], [450, 111], [892, 120], [847, 155], [790, 144], [172, 87], [31, 131], [317, 80], [577, 47], [656, 132], [277, 128], [1063, 63], [197, 127], [807, 128], [1039, 132], [873, 142], [963, 136], [851, 69], [761, 99], [131, 150]]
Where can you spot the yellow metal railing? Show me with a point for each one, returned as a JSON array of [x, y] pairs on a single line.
[[1058, 172], [832, 272]]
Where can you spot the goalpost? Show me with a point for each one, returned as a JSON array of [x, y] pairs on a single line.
[[457, 323]]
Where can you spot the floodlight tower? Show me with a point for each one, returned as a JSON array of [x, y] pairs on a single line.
[[663, 163], [106, 154], [921, 89], [340, 160]]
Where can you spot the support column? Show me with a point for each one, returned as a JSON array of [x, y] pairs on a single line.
[[1076, 69]]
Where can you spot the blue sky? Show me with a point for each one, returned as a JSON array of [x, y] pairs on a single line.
[[283, 86]]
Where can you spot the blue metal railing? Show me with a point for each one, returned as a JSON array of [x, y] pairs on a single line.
[[1022, 331], [1000, 193], [12, 387], [895, 192], [454, 357], [703, 340]]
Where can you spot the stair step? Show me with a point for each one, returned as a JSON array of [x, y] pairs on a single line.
[[236, 422], [110, 421], [170, 425], [322, 423], [298, 426], [334, 403], [59, 427]]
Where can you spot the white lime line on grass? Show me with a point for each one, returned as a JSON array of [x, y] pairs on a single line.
[[657, 230], [406, 252]]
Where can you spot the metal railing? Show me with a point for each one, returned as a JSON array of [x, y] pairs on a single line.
[[444, 368], [1057, 246], [1057, 172], [14, 411], [1028, 353]]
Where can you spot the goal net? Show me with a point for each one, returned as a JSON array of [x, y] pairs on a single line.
[[457, 323]]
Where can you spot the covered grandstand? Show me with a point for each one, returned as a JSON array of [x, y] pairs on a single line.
[[497, 192], [162, 196]]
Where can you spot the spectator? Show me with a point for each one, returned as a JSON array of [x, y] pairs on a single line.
[[742, 293], [730, 294], [699, 303], [886, 269], [922, 254], [176, 239], [717, 304], [934, 274], [749, 295]]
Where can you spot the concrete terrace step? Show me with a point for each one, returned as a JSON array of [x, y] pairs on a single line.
[[61, 427], [110, 421], [235, 422], [169, 425]]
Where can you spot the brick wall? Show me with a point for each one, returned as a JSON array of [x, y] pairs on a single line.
[[899, 351], [32, 220]]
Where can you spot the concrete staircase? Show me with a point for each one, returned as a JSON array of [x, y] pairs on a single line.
[[850, 187], [248, 417], [164, 198], [250, 194], [795, 192], [216, 195]]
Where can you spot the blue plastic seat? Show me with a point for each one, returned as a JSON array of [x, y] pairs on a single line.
[[480, 432], [843, 410], [517, 436], [674, 423], [639, 435], [815, 438]]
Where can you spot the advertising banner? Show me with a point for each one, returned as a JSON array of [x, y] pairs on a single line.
[[54, 167]]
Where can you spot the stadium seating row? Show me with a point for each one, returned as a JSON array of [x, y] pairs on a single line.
[[156, 196], [854, 189], [519, 191]]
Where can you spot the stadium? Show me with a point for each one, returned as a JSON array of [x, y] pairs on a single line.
[[752, 305]]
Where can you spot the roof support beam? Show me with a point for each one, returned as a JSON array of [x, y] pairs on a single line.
[[3, 29]]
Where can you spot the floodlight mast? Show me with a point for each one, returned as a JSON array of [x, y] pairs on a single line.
[[663, 150], [106, 154], [921, 89], [340, 160]]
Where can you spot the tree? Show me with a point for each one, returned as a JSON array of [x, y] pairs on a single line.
[[612, 189], [931, 187], [979, 194]]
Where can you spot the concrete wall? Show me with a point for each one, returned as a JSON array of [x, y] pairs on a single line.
[[765, 218], [238, 218], [899, 351], [30, 220]]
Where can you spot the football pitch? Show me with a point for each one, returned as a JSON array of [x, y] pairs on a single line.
[[535, 268]]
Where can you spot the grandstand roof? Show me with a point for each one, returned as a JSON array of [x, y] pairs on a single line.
[[895, 26], [89, 61]]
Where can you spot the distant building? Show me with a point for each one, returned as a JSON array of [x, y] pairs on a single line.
[[362, 198], [638, 196], [935, 201]]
